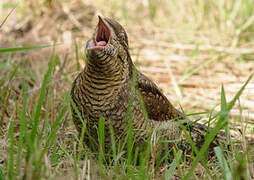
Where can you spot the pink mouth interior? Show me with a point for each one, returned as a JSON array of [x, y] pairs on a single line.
[[100, 43], [102, 35]]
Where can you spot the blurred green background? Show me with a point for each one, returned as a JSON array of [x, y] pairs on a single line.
[[188, 47]]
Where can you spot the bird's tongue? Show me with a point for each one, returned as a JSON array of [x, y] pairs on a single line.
[[103, 33], [101, 43]]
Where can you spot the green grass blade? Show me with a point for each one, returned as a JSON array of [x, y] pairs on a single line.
[[197, 69], [224, 110], [46, 81], [2, 174], [13, 73], [52, 134], [142, 174], [222, 122], [204, 148], [113, 141], [130, 141], [195, 149], [93, 142], [169, 173], [136, 156], [223, 99], [152, 8], [75, 163], [46, 124], [81, 143], [73, 105], [11, 152], [187, 135], [101, 136], [77, 56], [129, 116], [238, 94], [5, 50], [223, 163], [23, 126], [178, 162]]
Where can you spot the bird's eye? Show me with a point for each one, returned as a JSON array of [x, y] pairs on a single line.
[[121, 36]]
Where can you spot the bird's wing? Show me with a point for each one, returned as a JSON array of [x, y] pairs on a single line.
[[157, 105]]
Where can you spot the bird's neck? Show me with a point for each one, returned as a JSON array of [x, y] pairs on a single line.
[[109, 69]]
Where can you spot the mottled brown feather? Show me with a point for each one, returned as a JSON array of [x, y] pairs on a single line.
[[103, 89], [157, 105]]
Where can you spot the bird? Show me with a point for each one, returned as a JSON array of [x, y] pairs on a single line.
[[111, 87]]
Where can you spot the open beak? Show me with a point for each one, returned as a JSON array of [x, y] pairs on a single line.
[[103, 32], [102, 35]]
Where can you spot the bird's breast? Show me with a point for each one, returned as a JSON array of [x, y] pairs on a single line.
[[99, 94]]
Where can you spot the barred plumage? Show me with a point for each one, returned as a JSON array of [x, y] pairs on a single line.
[[104, 87]]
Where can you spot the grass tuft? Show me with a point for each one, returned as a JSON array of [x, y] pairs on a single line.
[[207, 43]]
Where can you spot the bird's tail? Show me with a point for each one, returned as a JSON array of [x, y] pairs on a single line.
[[198, 133]]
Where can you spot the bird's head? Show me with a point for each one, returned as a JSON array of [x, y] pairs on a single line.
[[109, 41]]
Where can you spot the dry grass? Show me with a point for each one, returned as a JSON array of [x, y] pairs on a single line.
[[189, 48]]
